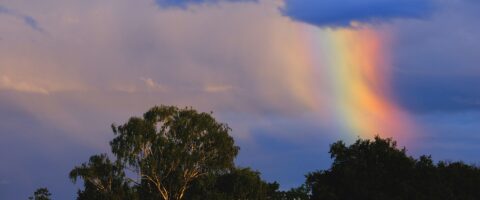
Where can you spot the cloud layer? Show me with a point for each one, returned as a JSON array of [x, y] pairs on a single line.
[[341, 13], [437, 62]]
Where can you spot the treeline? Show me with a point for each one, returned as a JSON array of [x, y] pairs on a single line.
[[177, 154]]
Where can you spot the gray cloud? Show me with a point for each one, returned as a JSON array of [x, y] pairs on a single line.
[[437, 67], [449, 136], [28, 20]]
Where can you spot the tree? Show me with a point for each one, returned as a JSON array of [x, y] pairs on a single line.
[[365, 170], [103, 179], [299, 193], [379, 170], [41, 194], [242, 184], [457, 180], [238, 184], [169, 148]]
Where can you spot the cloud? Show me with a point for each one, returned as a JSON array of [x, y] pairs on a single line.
[[8, 84], [421, 93], [4, 10], [218, 88], [151, 84], [28, 20], [341, 13], [185, 60], [185, 3], [450, 136], [125, 88], [436, 61]]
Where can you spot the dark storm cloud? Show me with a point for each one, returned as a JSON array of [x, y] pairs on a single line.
[[339, 13], [424, 94], [437, 67]]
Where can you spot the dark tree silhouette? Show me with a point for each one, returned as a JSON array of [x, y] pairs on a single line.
[[300, 193], [379, 170], [41, 194], [239, 183], [102, 179]]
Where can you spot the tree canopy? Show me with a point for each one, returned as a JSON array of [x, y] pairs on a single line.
[[377, 169], [167, 149], [41, 194], [102, 178], [239, 183]]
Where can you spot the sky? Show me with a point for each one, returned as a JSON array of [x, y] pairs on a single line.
[[289, 77]]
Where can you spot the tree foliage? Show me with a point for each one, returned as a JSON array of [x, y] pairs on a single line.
[[379, 170], [168, 148], [299, 193], [171, 147], [41, 194], [103, 179], [237, 184]]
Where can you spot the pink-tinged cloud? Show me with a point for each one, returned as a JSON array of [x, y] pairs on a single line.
[[7, 84], [211, 57]]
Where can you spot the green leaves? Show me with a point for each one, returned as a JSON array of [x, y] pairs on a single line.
[[170, 147], [102, 178]]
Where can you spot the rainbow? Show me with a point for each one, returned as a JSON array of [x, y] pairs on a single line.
[[354, 71]]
